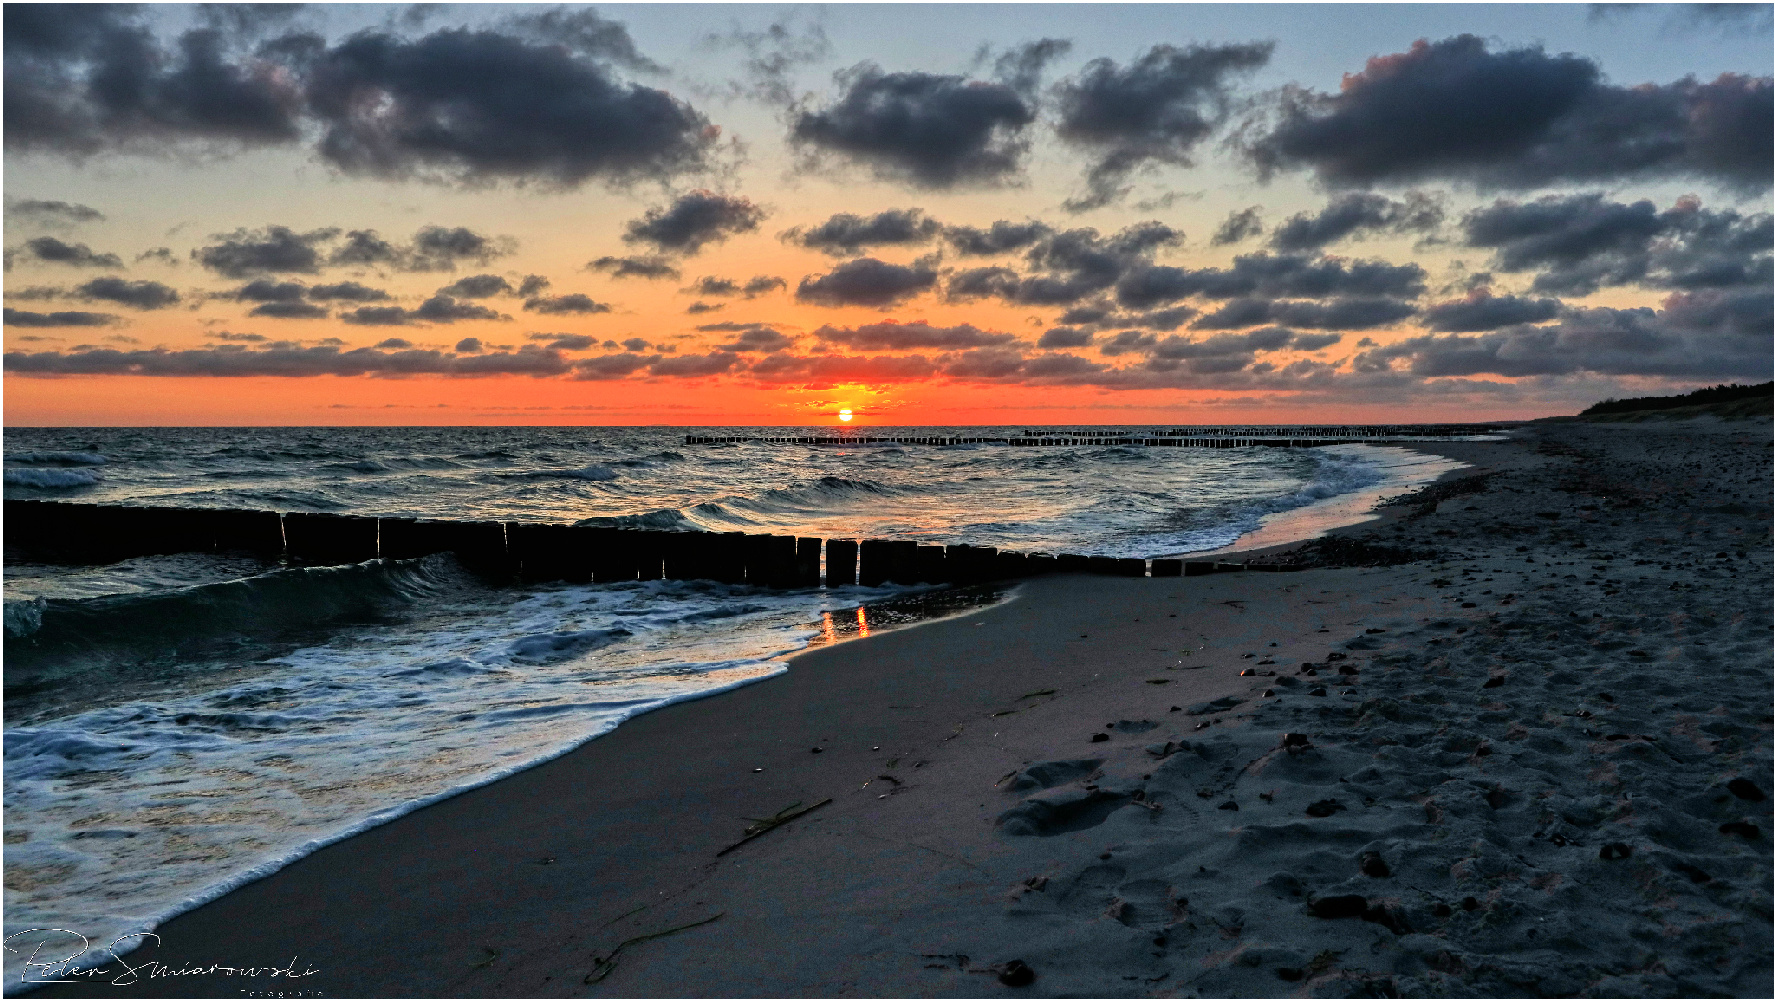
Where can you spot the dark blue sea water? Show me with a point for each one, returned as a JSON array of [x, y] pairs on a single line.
[[176, 725]]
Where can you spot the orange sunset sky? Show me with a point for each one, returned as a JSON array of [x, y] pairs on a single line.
[[930, 214]]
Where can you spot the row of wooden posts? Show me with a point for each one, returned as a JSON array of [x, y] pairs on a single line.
[[104, 533], [1035, 442]]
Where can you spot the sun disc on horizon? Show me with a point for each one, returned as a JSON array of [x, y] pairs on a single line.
[[844, 415]]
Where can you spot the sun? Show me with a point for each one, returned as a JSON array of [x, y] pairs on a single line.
[[844, 415]]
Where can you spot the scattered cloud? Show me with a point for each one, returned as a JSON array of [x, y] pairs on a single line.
[[846, 235], [891, 336], [41, 212], [272, 250], [1155, 110], [21, 317], [1355, 214], [1481, 310], [751, 288], [1239, 226], [1517, 118], [867, 282], [53, 251], [693, 221], [135, 294], [651, 268], [1579, 243], [575, 303], [478, 106], [928, 130], [999, 238]]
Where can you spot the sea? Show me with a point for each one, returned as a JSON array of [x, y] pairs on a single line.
[[176, 726]]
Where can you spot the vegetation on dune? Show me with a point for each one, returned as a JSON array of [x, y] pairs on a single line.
[[1711, 396]]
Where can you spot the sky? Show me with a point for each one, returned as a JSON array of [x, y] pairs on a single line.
[[926, 214]]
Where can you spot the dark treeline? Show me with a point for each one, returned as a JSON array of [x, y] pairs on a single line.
[[1700, 397]]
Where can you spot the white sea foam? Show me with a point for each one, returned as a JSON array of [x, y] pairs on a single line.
[[52, 479], [139, 811]]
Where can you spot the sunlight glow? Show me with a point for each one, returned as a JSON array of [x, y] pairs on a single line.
[[844, 415]]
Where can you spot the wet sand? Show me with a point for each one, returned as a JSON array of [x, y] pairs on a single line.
[[1537, 764]]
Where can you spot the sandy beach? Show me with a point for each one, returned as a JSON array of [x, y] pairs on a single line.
[[1524, 752]]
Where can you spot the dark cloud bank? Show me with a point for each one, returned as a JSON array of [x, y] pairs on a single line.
[[544, 99]]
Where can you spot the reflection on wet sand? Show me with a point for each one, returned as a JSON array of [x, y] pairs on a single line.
[[900, 612]]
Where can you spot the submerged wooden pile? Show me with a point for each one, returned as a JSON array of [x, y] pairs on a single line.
[[91, 533]]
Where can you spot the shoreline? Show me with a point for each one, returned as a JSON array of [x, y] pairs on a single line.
[[294, 851], [854, 685]]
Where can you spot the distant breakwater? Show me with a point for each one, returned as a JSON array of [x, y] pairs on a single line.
[[1220, 437], [524, 551]]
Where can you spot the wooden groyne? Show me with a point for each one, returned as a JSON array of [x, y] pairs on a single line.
[[91, 533], [1221, 437]]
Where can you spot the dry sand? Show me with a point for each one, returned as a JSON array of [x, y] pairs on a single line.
[[1535, 765]]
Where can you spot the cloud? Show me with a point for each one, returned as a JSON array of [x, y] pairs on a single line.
[[693, 365], [1355, 313], [52, 213], [533, 284], [760, 338], [1354, 214], [846, 235], [478, 286], [1021, 67], [83, 79], [272, 250], [1098, 315], [1518, 118], [1270, 275], [289, 310], [135, 294], [867, 282], [576, 303], [751, 289], [771, 56], [440, 248], [1068, 267], [583, 31], [699, 308], [469, 345], [634, 344], [891, 336], [432, 248], [249, 338], [1001, 237], [1064, 336], [267, 290], [1239, 226], [928, 130], [347, 291], [37, 293], [53, 251], [1620, 342], [437, 309], [693, 221], [652, 268], [287, 362], [834, 368], [1481, 310], [21, 317], [1155, 110], [473, 107], [569, 341], [609, 366], [163, 255], [1579, 243]]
